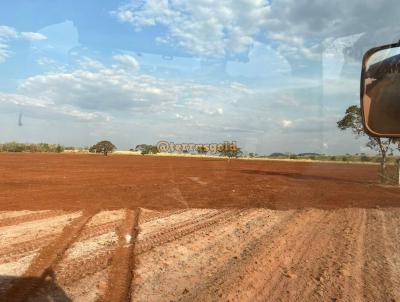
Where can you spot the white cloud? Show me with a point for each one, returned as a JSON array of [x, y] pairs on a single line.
[[202, 28], [202, 105], [296, 28], [113, 90], [127, 61], [4, 52], [8, 33], [46, 109], [31, 36], [287, 124], [184, 117], [104, 89], [301, 26], [90, 64]]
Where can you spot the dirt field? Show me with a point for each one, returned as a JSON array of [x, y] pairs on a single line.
[[118, 228]]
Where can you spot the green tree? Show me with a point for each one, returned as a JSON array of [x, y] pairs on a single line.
[[59, 148], [148, 149], [230, 151], [353, 120], [104, 147], [202, 150]]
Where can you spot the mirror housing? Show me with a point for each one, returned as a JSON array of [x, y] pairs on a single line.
[[380, 91]]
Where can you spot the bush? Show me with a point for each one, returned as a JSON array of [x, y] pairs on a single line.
[[364, 158], [149, 149], [21, 147]]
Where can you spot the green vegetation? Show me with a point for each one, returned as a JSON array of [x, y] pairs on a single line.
[[352, 120], [202, 150], [104, 147], [230, 151], [149, 149], [26, 147], [146, 149], [390, 159]]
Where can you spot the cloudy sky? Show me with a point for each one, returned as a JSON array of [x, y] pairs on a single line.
[[273, 75]]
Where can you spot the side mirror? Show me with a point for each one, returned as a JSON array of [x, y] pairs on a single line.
[[380, 91]]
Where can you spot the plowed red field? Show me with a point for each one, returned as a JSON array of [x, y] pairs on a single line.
[[51, 181], [144, 228]]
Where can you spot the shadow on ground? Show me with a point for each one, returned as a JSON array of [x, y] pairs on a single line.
[[300, 176], [14, 289]]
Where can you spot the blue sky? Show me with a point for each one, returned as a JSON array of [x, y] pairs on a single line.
[[272, 75]]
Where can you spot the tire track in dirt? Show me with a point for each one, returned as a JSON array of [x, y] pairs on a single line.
[[96, 230], [345, 254], [293, 263], [241, 280], [29, 217], [322, 266], [180, 230], [187, 267], [391, 255], [48, 257], [18, 250], [86, 263], [123, 262], [262, 263], [177, 233], [15, 251], [11, 214], [148, 215], [321, 276], [153, 227], [79, 268], [351, 269], [381, 252], [393, 232]]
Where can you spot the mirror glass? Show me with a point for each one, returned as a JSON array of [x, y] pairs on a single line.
[[381, 98]]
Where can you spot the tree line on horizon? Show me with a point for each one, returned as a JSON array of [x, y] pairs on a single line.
[[352, 120], [27, 147], [225, 151], [145, 149]]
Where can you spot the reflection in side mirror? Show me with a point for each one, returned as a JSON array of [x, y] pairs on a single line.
[[380, 91]]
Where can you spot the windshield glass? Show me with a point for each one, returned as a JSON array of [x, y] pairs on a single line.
[[196, 150]]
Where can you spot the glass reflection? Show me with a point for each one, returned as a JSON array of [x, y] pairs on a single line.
[[382, 92]]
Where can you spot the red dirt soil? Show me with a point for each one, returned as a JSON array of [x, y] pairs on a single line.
[[224, 231], [72, 182], [251, 254]]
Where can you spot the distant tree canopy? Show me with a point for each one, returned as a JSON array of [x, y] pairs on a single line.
[[229, 151], [140, 147], [202, 150], [21, 147], [146, 149], [104, 147]]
